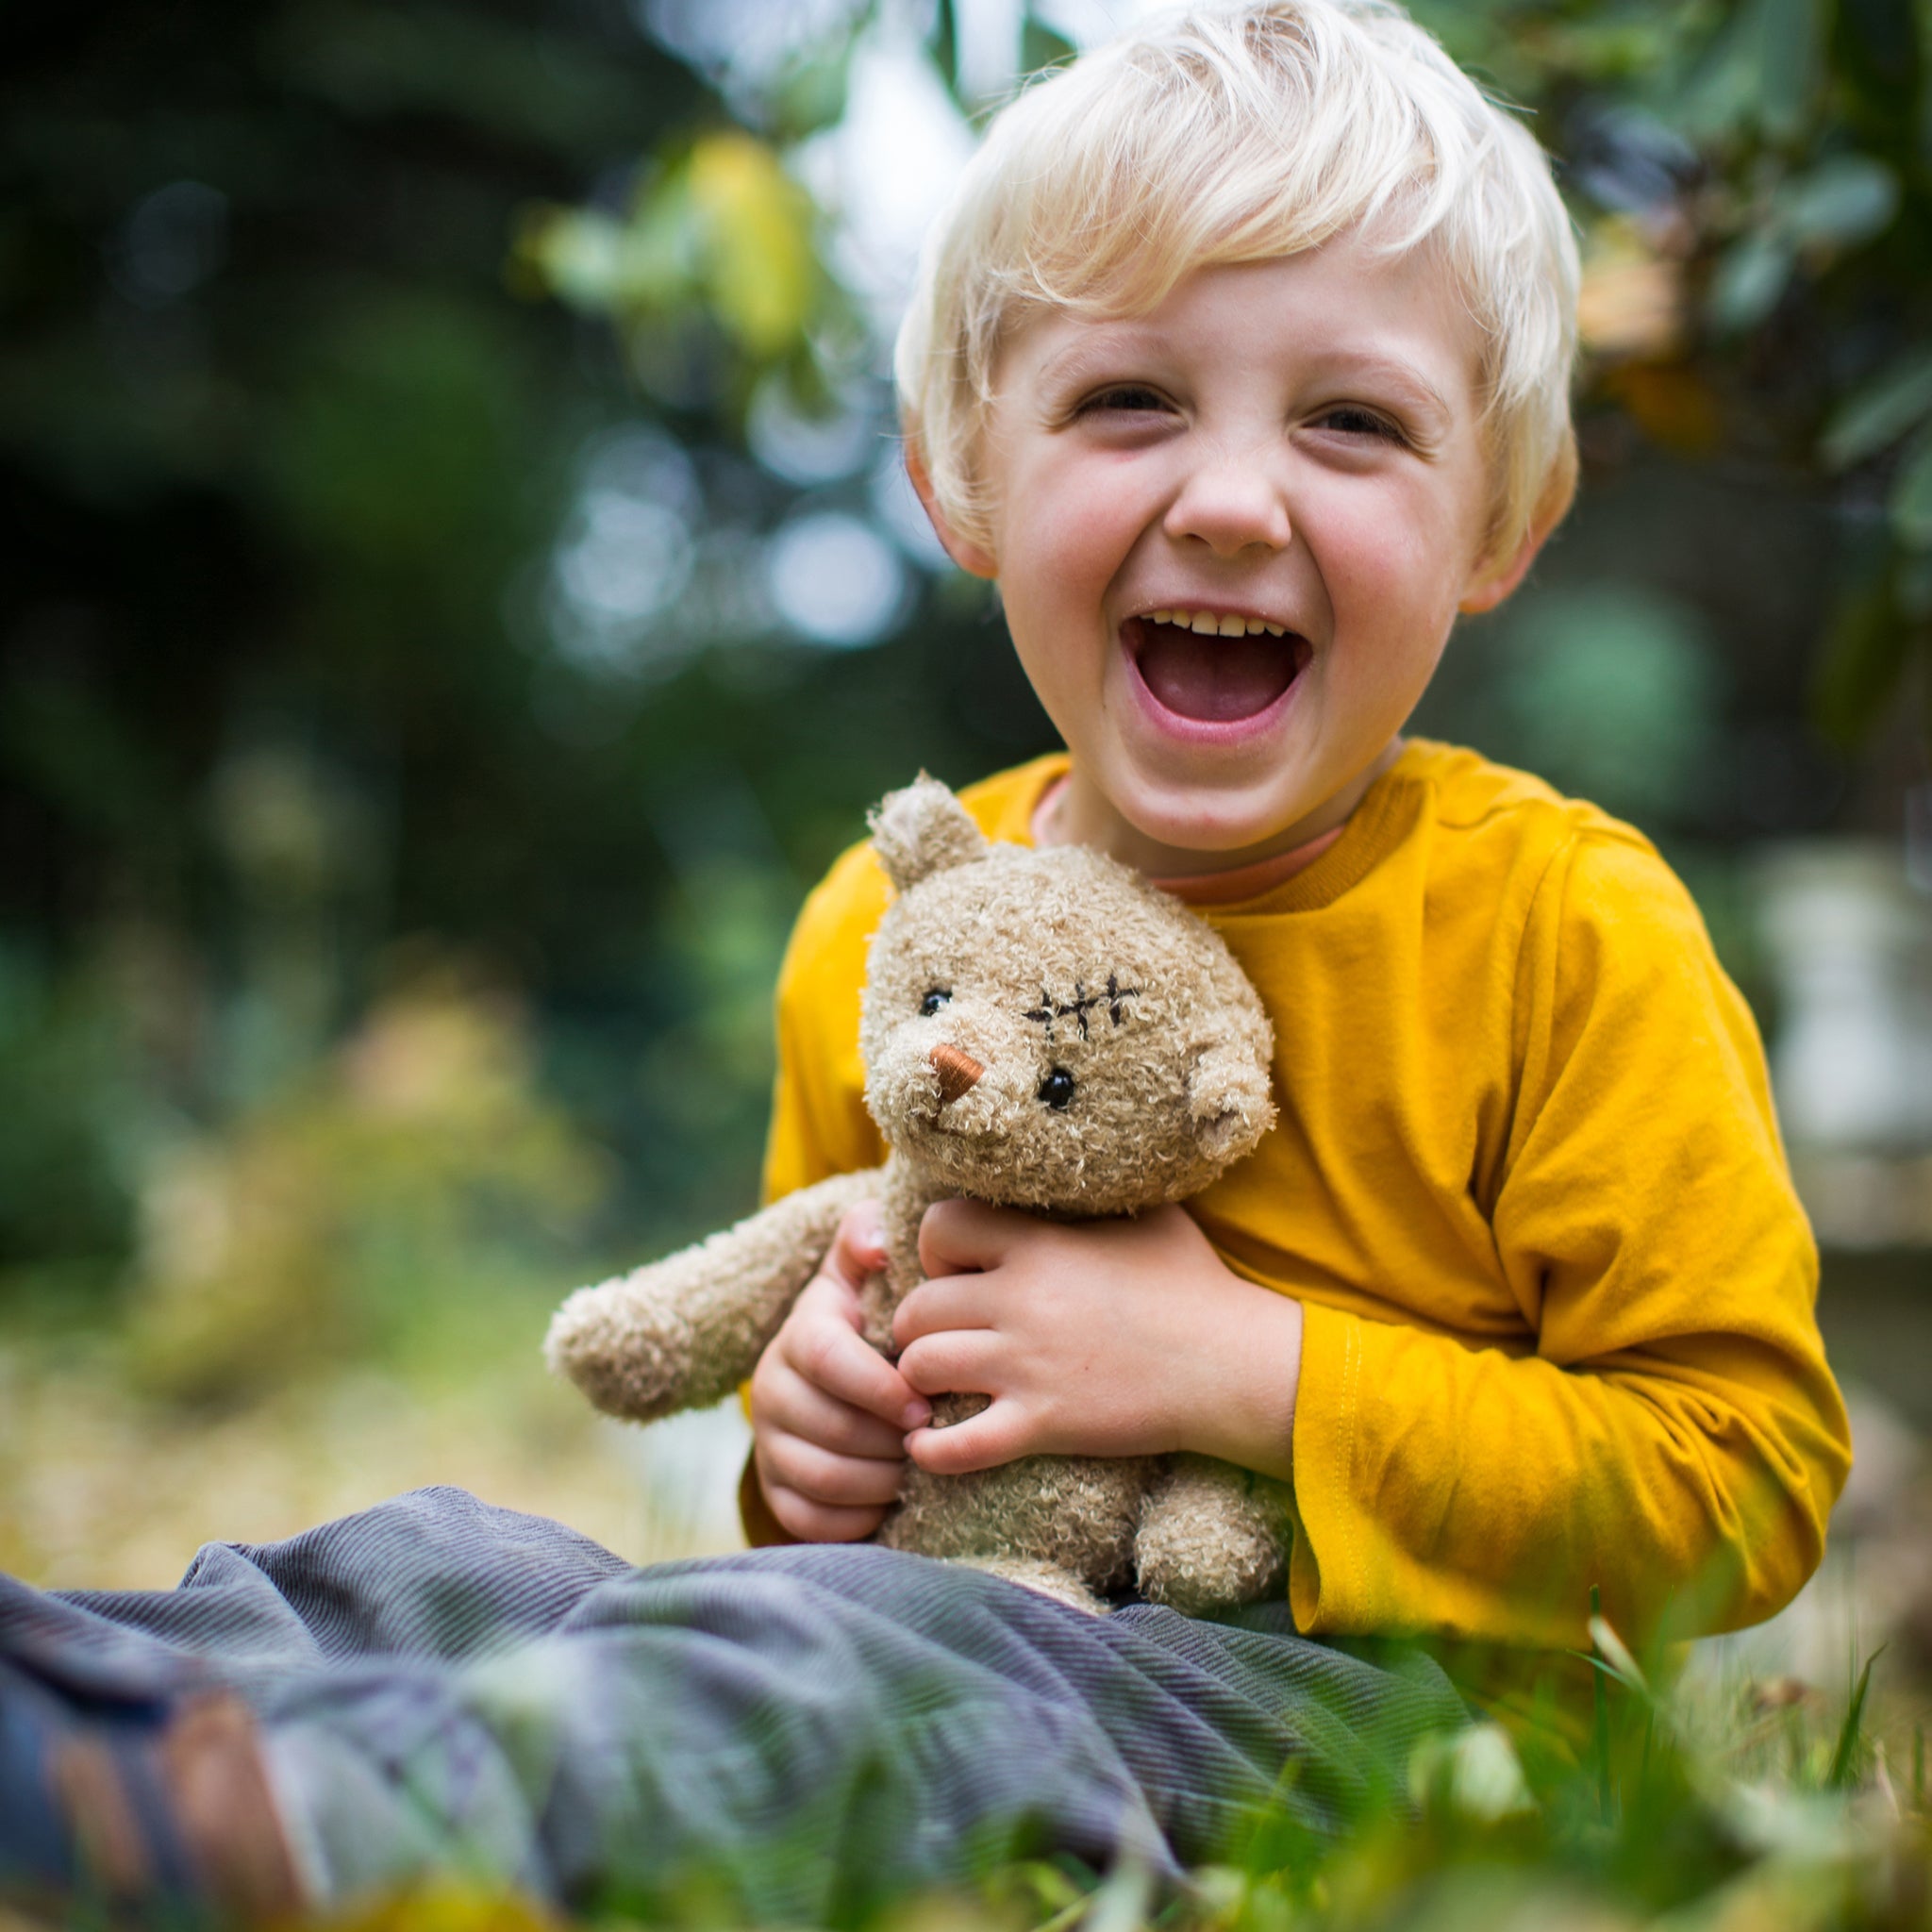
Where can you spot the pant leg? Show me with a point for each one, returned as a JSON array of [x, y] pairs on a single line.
[[441, 1686]]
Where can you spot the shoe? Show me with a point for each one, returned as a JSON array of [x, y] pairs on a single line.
[[154, 1808]]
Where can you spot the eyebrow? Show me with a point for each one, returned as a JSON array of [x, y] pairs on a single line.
[[1088, 354]]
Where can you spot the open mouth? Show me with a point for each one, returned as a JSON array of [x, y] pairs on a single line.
[[1194, 666]]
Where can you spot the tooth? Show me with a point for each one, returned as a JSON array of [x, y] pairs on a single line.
[[1234, 626], [1180, 617], [1162, 616], [1274, 630], [1204, 622]]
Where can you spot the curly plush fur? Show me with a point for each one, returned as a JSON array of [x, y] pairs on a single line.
[[1042, 1029]]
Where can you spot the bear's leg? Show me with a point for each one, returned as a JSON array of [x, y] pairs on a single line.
[[1046, 1579], [1211, 1534]]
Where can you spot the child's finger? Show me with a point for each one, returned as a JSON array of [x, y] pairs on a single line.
[[958, 1237], [834, 1357], [982, 1441], [858, 1248], [954, 1361], [819, 1523], [953, 1300], [838, 1481], [783, 1399]]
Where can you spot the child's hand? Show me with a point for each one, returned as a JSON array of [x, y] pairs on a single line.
[[828, 1412], [1117, 1338]]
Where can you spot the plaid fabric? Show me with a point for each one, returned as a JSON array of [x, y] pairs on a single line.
[[446, 1686]]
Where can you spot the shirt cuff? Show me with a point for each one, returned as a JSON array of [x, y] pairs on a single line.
[[762, 1530], [1326, 1585]]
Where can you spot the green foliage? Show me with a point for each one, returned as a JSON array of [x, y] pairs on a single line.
[[415, 1175], [1477, 1834], [67, 1108]]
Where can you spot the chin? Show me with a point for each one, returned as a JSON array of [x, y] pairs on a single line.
[[1219, 821]]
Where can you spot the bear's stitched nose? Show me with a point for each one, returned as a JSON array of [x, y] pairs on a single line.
[[957, 1071]]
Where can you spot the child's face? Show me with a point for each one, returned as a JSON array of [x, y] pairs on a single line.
[[1292, 443]]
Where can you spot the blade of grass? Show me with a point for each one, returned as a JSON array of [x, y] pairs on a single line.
[[1600, 1738], [1850, 1733]]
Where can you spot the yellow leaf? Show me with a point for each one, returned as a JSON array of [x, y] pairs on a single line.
[[756, 225]]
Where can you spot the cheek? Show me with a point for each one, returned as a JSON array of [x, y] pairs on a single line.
[[1396, 560]]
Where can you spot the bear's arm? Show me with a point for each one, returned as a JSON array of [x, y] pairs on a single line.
[[683, 1332]]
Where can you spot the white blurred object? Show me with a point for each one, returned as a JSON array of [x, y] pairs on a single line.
[[1091, 22], [985, 44], [690, 1465], [1852, 944], [806, 447], [836, 580], [1850, 941], [888, 167]]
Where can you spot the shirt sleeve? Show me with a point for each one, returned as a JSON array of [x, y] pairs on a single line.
[[1672, 1434], [819, 1123]]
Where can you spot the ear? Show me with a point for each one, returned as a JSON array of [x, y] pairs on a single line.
[[922, 830], [1229, 1099], [1492, 580], [969, 555]]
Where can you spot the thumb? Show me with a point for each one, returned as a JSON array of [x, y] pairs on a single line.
[[858, 1248]]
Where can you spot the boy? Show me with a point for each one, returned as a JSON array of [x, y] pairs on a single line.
[[1242, 365]]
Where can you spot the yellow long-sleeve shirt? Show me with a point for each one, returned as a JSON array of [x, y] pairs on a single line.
[[1527, 1183]]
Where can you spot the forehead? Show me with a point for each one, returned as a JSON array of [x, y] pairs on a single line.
[[1348, 307]]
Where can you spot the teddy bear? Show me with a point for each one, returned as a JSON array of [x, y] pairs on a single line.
[[1042, 1029]]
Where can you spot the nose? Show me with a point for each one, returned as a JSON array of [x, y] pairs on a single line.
[[1231, 501], [957, 1071]]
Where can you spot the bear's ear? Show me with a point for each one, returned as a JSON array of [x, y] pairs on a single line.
[[1229, 1099], [922, 830]]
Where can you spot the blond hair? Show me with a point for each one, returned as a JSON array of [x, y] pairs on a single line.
[[1242, 134]]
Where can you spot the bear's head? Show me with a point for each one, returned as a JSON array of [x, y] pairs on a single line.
[[1045, 1029]]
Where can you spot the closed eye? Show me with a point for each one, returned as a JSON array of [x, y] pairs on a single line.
[[1123, 398], [1351, 418]]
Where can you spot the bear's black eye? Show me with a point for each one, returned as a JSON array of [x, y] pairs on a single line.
[[1056, 1090], [937, 998]]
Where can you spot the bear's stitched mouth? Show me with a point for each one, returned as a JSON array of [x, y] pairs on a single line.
[[1211, 678]]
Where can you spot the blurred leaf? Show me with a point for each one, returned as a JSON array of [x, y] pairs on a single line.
[[725, 232], [1881, 412], [1671, 402], [758, 245], [1842, 202], [1859, 667], [1040, 46], [1751, 275], [1911, 505], [1787, 37]]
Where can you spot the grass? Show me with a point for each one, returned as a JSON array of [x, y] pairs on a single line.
[[1713, 1808]]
